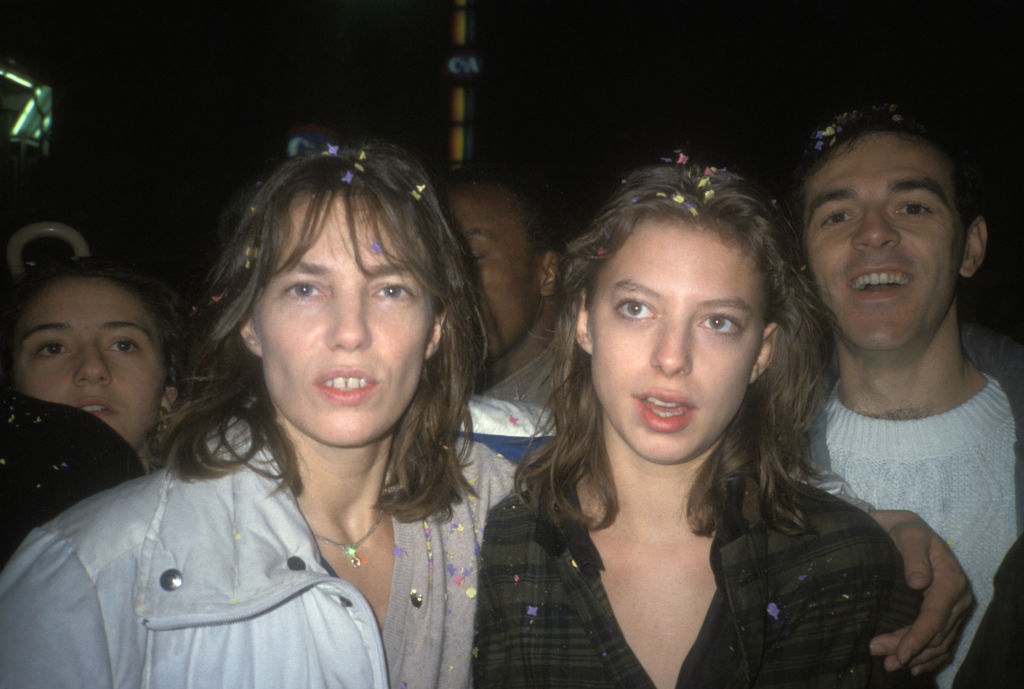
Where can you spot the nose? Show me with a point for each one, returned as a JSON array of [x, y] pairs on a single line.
[[349, 328], [875, 231], [91, 367], [673, 350]]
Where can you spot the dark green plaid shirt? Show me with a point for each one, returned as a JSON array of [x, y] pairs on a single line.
[[796, 611]]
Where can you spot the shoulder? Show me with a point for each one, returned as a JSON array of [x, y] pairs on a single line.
[[511, 429], [510, 525], [103, 526], [841, 541], [489, 474], [993, 352]]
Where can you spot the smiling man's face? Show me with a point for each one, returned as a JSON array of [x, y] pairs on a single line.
[[884, 241]]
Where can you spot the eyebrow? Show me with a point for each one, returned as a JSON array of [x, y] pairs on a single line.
[[929, 184], [318, 269], [630, 286], [920, 183], [109, 325]]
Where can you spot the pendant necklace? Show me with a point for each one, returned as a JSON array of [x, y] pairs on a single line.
[[351, 550]]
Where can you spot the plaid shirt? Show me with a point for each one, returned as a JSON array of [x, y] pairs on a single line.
[[800, 611]]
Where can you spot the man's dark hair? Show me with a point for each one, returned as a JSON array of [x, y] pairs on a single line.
[[845, 129]]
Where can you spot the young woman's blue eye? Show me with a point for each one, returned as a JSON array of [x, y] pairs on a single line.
[[394, 291], [634, 309], [721, 324]]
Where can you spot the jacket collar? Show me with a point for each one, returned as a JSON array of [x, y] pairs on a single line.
[[225, 548]]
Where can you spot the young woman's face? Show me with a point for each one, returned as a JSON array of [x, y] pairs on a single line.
[[88, 343], [342, 349], [676, 332]]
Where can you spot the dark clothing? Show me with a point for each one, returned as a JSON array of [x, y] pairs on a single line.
[[52, 456], [792, 611], [994, 657]]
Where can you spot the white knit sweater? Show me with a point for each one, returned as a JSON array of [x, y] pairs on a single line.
[[954, 469]]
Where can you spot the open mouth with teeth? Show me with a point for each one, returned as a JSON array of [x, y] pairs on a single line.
[[665, 410], [880, 280], [93, 408], [346, 383]]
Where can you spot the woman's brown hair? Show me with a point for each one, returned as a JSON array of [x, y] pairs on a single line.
[[765, 441], [386, 193]]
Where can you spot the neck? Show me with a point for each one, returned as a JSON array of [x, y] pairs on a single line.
[[652, 500], [528, 348], [341, 489], [912, 382]]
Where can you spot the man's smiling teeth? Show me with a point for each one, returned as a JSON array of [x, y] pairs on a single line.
[[872, 279], [666, 410], [346, 383], [93, 407]]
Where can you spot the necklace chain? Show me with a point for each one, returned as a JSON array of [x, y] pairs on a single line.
[[352, 549]]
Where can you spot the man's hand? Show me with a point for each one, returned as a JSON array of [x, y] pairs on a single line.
[[928, 564]]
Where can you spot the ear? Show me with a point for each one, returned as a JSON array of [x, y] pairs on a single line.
[[549, 271], [435, 336], [764, 354], [251, 338], [583, 338], [975, 241], [167, 400]]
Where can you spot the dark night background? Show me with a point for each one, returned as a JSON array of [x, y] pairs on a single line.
[[164, 111]]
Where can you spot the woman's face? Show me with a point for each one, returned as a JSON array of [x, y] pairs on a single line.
[[342, 349], [676, 331], [91, 344]]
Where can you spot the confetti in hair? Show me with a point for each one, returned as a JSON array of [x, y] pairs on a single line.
[[375, 247], [417, 193], [347, 178], [332, 150], [682, 159]]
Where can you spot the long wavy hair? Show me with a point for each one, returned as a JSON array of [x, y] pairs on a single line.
[[385, 192], [765, 442]]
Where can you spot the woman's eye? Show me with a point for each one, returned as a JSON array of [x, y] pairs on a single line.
[[634, 309], [302, 290], [50, 349], [721, 324], [125, 346]]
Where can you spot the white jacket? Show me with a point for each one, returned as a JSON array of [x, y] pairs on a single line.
[[164, 583]]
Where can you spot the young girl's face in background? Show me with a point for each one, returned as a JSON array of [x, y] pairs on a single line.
[[91, 344], [677, 332], [342, 348]]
